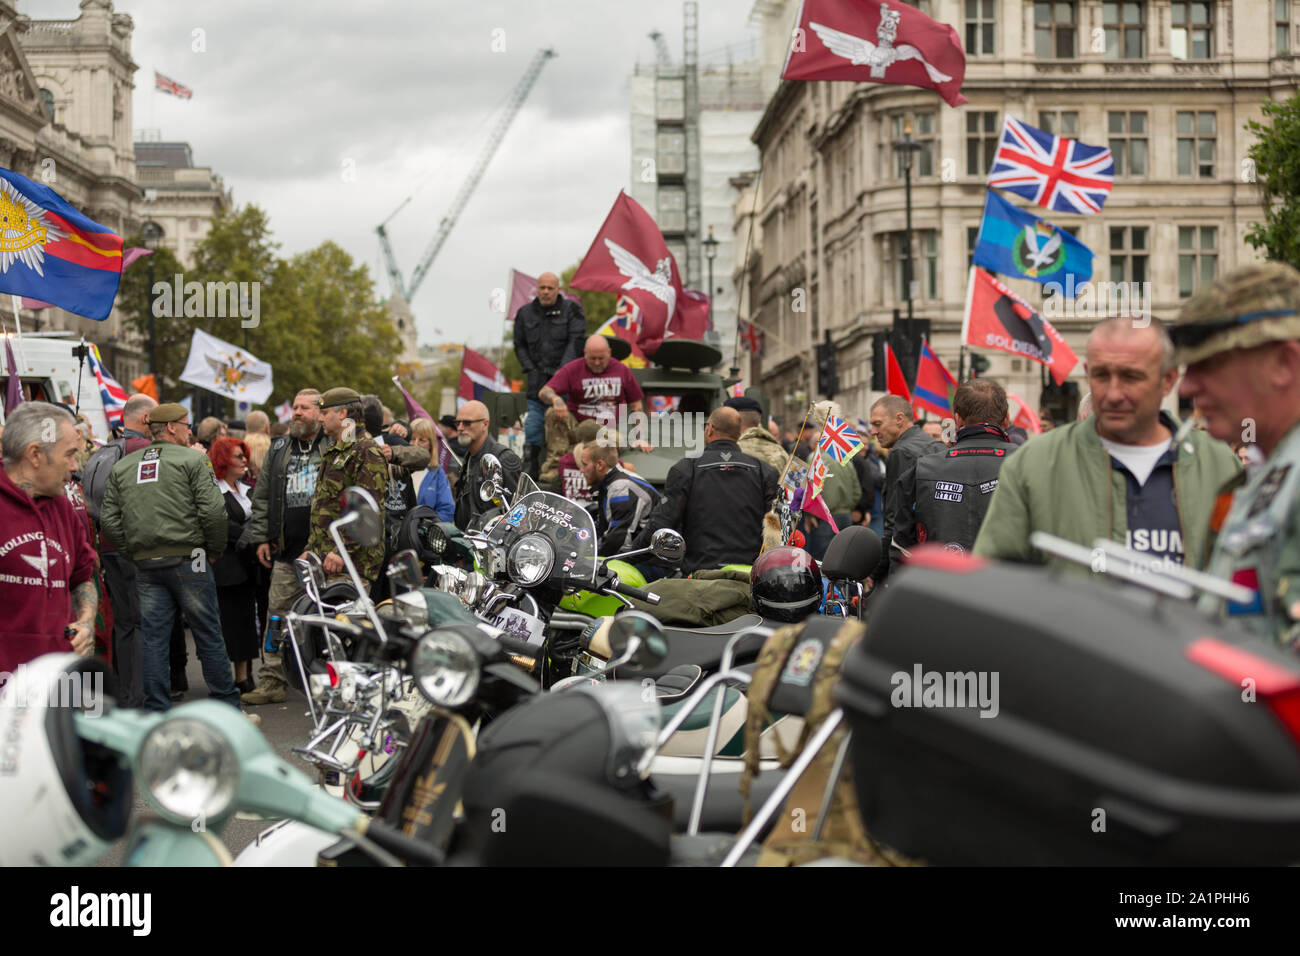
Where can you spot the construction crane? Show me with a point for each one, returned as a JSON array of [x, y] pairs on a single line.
[[407, 290]]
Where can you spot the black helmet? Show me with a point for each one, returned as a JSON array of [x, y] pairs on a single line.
[[786, 584]]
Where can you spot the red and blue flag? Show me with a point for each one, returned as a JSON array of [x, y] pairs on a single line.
[[1055, 172], [52, 252], [478, 376], [934, 384]]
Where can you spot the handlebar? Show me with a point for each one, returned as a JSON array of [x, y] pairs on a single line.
[[516, 646], [639, 593]]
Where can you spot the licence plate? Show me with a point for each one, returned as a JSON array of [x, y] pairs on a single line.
[[520, 625]]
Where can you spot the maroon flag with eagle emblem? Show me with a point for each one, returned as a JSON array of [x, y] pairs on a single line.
[[630, 258], [869, 41]]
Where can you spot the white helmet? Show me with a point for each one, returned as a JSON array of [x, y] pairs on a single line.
[[63, 801]]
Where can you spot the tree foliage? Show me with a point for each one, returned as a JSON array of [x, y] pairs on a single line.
[[1276, 158], [319, 323]]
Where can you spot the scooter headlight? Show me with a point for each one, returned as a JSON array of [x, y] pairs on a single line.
[[189, 770], [530, 559], [445, 668], [413, 607]]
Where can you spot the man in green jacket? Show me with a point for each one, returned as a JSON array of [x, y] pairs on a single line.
[[1117, 474], [162, 510]]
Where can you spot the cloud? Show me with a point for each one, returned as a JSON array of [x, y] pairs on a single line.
[[286, 92]]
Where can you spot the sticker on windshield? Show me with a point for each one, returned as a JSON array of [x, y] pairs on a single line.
[[516, 515]]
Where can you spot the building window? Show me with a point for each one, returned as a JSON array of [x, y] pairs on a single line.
[[1059, 122], [922, 133], [1198, 257], [1128, 142], [47, 103], [1125, 27], [1196, 144], [1054, 29], [1192, 34], [972, 237], [925, 264], [1129, 249], [979, 27], [1282, 26], [982, 135], [672, 209]]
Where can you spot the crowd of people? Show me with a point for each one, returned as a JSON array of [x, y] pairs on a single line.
[[172, 527]]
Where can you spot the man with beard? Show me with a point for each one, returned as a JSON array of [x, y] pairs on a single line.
[[472, 429], [1117, 474], [280, 523], [548, 333]]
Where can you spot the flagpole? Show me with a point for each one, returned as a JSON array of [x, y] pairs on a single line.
[[744, 272], [18, 330]]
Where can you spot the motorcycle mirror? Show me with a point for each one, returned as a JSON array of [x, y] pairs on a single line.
[[668, 545], [487, 491], [651, 647], [489, 468], [366, 526], [404, 572]]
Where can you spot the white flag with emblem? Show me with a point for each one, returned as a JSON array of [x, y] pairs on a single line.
[[227, 370]]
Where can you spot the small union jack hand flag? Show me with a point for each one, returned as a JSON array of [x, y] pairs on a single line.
[[839, 440], [816, 478]]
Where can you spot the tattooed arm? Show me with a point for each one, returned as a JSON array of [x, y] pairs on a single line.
[[84, 604]]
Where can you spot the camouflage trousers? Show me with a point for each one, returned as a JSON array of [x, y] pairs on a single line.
[[285, 590]]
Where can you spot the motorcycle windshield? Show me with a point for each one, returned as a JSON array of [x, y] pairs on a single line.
[[525, 487], [567, 526]]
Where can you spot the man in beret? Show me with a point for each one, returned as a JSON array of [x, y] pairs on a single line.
[[754, 438], [1240, 339], [353, 458], [163, 511]]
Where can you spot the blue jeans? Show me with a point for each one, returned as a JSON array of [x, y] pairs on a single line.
[[819, 538], [161, 592], [535, 424]]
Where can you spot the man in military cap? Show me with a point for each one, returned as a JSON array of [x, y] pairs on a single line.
[[1240, 339], [162, 510], [754, 438], [353, 458]]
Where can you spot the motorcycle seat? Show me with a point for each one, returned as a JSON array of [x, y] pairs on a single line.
[[702, 648]]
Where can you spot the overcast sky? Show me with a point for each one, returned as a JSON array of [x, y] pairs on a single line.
[[287, 94]]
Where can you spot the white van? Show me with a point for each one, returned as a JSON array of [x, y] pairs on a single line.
[[48, 371]]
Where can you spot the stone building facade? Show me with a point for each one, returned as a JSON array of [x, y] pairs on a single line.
[[1167, 84]]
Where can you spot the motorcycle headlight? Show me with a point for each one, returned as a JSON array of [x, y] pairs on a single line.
[[530, 559], [445, 668], [189, 770], [471, 591], [413, 607]]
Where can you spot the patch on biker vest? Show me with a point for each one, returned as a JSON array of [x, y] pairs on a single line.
[[948, 491], [988, 487], [803, 661], [1268, 489]]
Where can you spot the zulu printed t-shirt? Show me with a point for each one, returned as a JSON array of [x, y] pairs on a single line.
[[596, 394], [1152, 509], [301, 473], [573, 483]]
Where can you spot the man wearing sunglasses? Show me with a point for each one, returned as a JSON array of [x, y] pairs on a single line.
[[1240, 340], [472, 431]]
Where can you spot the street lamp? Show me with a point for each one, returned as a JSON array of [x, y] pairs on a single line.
[[906, 147], [150, 233], [710, 253]]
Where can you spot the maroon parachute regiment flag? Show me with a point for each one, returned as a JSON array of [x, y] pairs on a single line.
[[997, 318], [869, 41], [629, 257]]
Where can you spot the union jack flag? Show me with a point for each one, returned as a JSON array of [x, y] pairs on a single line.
[[111, 393], [751, 336], [816, 477], [1055, 172], [839, 440], [164, 84]]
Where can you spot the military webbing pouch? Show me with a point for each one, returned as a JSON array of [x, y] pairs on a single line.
[[796, 673]]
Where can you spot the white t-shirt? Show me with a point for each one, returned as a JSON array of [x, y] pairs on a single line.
[[240, 491], [1139, 459]]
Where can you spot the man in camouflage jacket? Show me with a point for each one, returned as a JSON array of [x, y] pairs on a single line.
[[351, 459]]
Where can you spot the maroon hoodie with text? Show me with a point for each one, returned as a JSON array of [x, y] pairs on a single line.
[[44, 553]]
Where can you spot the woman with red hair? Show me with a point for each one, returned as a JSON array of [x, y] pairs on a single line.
[[235, 570]]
